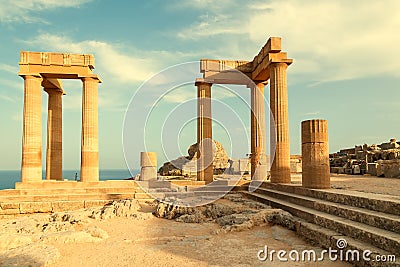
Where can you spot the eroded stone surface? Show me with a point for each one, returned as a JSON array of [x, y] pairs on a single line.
[[232, 213]]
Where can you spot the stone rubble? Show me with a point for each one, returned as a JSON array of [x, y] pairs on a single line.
[[232, 213], [378, 160]]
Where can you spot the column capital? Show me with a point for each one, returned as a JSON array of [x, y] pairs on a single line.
[[281, 63], [31, 76], [200, 81], [91, 78]]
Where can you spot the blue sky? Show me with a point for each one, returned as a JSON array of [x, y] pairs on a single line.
[[346, 64]]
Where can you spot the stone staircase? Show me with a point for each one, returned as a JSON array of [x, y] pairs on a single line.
[[366, 221], [53, 196]]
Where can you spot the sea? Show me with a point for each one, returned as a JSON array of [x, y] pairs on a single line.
[[9, 178]]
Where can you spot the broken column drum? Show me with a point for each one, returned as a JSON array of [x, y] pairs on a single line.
[[315, 153], [148, 163]]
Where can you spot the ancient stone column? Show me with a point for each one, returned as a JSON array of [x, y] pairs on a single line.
[[31, 167], [89, 143], [204, 133], [315, 153], [258, 135], [54, 134], [148, 163], [280, 169]]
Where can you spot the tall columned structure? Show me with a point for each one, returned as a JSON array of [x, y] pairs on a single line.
[[280, 169], [269, 64], [45, 69], [90, 141], [204, 132], [31, 167], [54, 133], [258, 134]]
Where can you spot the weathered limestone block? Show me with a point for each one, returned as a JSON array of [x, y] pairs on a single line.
[[372, 169], [35, 207], [9, 205], [315, 152], [389, 168], [67, 205], [9, 211], [96, 203]]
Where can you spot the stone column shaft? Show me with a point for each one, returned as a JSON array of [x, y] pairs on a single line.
[[54, 135], [315, 154], [148, 164], [280, 169], [89, 142], [258, 134], [31, 167], [204, 133]]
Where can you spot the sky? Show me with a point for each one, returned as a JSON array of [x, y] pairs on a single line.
[[346, 69]]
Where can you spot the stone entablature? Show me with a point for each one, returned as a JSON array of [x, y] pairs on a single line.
[[59, 65], [216, 71]]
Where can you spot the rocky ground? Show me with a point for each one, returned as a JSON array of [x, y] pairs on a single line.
[[228, 232]]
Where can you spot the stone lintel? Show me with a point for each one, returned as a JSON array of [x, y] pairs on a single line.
[[273, 45], [211, 66], [55, 72]]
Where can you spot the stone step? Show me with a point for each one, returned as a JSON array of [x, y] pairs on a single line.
[[53, 197], [327, 238], [214, 188], [49, 184], [380, 238], [76, 191], [377, 202], [377, 219]]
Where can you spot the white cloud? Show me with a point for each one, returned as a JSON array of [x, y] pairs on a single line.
[[122, 63], [328, 40], [8, 68], [217, 18], [109, 58], [338, 39], [25, 11]]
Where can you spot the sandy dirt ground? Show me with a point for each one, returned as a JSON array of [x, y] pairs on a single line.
[[150, 241], [162, 242]]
